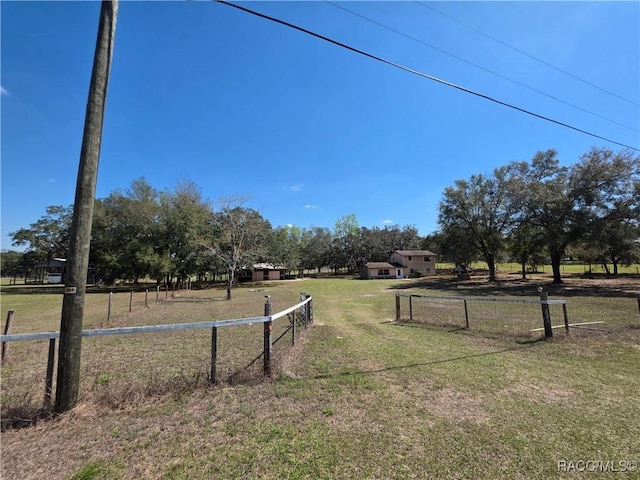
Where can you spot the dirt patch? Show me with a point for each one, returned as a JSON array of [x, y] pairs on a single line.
[[456, 405], [539, 393]]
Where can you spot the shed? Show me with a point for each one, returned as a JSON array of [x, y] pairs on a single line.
[[263, 271], [51, 271]]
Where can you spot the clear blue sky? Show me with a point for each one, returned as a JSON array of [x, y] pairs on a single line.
[[311, 131]]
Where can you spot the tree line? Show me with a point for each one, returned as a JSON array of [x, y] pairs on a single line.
[[169, 236], [531, 212], [539, 210]]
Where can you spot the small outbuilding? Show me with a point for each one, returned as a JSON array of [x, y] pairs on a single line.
[[51, 271], [263, 271]]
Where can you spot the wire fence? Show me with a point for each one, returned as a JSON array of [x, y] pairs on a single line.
[[127, 363], [521, 318]]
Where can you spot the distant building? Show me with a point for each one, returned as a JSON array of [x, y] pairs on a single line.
[[402, 264], [263, 271], [51, 271]]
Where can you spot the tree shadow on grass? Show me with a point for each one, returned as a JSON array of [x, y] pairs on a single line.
[[574, 285], [419, 364]]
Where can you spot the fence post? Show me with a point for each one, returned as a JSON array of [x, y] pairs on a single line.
[[397, 307], [308, 318], [214, 353], [638, 303], [566, 317], [157, 293], [268, 327], [109, 308], [546, 315], [466, 315], [293, 327], [48, 386], [411, 308], [146, 298], [7, 329], [130, 300]]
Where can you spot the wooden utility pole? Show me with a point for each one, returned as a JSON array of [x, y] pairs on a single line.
[[68, 379]]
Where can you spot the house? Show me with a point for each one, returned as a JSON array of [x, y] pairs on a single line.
[[263, 271], [402, 264]]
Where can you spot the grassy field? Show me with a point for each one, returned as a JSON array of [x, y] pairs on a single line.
[[359, 397], [565, 268]]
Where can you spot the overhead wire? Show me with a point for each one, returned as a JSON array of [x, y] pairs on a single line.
[[453, 19], [418, 73], [577, 107]]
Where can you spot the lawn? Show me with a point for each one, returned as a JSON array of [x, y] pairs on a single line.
[[360, 396]]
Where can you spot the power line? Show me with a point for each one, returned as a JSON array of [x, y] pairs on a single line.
[[480, 67], [526, 54], [420, 74]]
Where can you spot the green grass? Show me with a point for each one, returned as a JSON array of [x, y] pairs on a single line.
[[359, 397], [90, 471]]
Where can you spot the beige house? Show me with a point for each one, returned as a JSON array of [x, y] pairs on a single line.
[[402, 264]]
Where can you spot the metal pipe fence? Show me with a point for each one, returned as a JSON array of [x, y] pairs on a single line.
[[152, 358], [514, 317], [518, 317]]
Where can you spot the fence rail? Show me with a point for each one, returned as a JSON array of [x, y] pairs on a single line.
[[300, 314], [484, 313], [519, 317]]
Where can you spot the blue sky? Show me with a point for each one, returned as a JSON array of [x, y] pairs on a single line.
[[310, 131]]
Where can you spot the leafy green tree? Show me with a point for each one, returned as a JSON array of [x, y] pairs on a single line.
[[346, 244], [455, 245], [285, 246], [485, 209], [185, 218], [525, 244], [551, 204], [316, 248], [13, 265], [126, 235], [610, 182], [48, 237], [573, 203], [377, 244]]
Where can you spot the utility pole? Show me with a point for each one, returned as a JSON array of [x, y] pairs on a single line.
[[78, 258]]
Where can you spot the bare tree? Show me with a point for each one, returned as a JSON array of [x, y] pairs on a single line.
[[239, 239]]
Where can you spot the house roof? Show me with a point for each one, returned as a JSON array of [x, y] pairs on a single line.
[[268, 266], [406, 253], [379, 265], [56, 262]]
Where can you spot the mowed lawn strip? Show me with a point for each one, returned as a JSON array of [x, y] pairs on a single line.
[[363, 397]]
